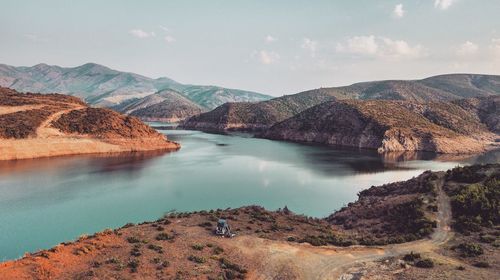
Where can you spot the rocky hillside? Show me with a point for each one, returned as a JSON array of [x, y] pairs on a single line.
[[443, 127], [265, 114], [102, 86], [42, 125], [166, 105]]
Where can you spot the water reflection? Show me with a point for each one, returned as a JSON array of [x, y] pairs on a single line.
[[127, 163]]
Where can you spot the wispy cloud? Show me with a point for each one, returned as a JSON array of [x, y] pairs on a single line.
[[169, 39], [139, 33], [364, 45], [309, 45], [443, 4], [380, 47], [270, 39], [266, 57], [467, 49], [398, 11]]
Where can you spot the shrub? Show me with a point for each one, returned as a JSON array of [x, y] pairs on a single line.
[[425, 263], [411, 257], [135, 251], [226, 264], [470, 249], [409, 218], [477, 204], [197, 259], [197, 247], [156, 248], [164, 236], [133, 264], [218, 250], [133, 239]]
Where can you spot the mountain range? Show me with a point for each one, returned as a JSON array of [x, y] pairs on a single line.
[[104, 87], [262, 115]]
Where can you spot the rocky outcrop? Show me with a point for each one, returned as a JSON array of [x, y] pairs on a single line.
[[388, 126]]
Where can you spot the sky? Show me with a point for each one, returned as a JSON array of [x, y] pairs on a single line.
[[269, 46]]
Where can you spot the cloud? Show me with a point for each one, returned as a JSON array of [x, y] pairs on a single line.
[[443, 4], [309, 45], [467, 49], [139, 33], [364, 45], [169, 39], [375, 46], [164, 28], [495, 47], [398, 11], [270, 39], [267, 57]]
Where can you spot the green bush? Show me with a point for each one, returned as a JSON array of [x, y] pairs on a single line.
[[477, 205], [409, 218]]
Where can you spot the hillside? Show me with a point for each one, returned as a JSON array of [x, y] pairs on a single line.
[[105, 87], [42, 125], [166, 105], [265, 114], [443, 127], [429, 210]]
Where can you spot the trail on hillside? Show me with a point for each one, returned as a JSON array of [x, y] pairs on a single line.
[[46, 131], [303, 261]]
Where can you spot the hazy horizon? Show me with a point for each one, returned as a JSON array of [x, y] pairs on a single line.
[[274, 48]]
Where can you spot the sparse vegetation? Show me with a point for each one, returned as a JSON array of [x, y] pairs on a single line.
[[470, 249], [425, 263], [197, 259], [164, 236], [197, 247]]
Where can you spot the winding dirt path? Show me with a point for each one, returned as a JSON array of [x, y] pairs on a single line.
[[303, 261], [46, 131]]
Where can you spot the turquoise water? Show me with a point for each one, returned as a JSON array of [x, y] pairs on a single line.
[[44, 202]]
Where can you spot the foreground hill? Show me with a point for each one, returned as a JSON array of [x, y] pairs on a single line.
[[42, 125], [102, 86], [448, 237], [251, 117], [464, 126]]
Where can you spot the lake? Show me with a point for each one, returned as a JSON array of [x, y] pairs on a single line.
[[47, 201]]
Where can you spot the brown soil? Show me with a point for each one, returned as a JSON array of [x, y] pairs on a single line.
[[64, 125]]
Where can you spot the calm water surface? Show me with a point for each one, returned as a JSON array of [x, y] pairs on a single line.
[[47, 201]]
